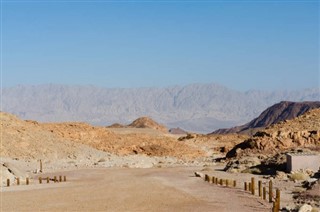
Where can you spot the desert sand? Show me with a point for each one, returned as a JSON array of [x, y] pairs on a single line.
[[123, 189]]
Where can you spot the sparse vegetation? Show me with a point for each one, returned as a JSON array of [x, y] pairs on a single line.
[[299, 176]]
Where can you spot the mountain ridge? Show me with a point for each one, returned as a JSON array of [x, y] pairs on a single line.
[[194, 107]]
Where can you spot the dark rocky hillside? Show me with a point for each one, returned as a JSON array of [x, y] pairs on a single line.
[[279, 112]]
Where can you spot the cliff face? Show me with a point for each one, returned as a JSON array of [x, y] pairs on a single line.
[[279, 112]]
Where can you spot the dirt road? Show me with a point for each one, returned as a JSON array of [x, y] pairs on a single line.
[[120, 189]]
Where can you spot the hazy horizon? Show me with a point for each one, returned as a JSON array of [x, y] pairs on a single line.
[[162, 87]]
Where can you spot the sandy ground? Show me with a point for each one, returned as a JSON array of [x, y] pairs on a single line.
[[123, 189]]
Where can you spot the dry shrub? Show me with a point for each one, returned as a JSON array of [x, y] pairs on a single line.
[[299, 176]]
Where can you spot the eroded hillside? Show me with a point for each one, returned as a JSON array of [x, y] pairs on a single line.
[[30, 139]]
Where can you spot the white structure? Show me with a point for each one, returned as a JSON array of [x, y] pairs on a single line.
[[297, 161]]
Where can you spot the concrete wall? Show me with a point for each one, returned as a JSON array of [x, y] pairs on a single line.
[[303, 161]]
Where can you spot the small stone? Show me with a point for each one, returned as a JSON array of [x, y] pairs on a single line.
[[305, 208], [199, 174], [281, 175]]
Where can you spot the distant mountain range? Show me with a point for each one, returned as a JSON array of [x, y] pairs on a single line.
[[194, 107], [276, 113]]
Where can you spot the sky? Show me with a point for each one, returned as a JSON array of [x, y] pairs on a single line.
[[244, 45]]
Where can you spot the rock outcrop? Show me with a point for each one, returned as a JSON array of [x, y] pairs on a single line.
[[302, 132]]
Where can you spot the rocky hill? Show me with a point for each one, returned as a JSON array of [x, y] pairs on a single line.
[[142, 122], [300, 132], [195, 107], [29, 140], [102, 138], [178, 131], [76, 140], [279, 112], [146, 122]]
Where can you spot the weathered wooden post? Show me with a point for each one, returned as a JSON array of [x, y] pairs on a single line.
[[206, 177], [250, 187], [253, 188], [27, 181], [55, 179], [65, 178], [8, 182], [60, 178], [270, 191], [245, 186], [48, 180], [264, 193], [234, 183], [217, 180], [277, 200], [221, 181], [260, 188], [40, 165], [40, 180], [274, 209], [18, 181]]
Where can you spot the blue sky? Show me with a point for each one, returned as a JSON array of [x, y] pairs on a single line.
[[243, 45]]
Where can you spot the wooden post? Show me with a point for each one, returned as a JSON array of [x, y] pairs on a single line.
[[55, 179], [48, 180], [234, 183], [65, 178], [249, 186], [221, 182], [274, 209], [41, 166], [277, 200], [264, 193], [253, 188], [8, 182], [212, 180], [260, 188], [60, 178], [27, 181], [217, 181], [245, 186], [18, 181], [270, 191], [40, 180]]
